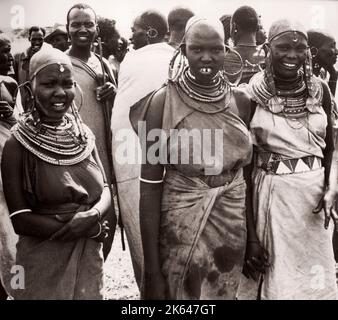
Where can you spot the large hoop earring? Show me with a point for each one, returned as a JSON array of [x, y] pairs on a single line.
[[269, 70], [78, 87], [308, 72], [28, 104], [177, 65], [226, 74], [78, 122]]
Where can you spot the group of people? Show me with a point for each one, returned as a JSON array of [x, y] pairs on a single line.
[[236, 202]]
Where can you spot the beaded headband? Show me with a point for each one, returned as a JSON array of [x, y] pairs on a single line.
[[45, 57], [61, 68], [283, 26]]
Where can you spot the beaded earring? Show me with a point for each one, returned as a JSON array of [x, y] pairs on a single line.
[[269, 70], [79, 124], [275, 104], [177, 65], [311, 101]]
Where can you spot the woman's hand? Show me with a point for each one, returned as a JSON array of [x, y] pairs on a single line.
[[328, 202], [154, 287], [77, 227], [99, 232], [256, 260]]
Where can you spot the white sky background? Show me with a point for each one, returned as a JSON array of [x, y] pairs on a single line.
[[25, 13]]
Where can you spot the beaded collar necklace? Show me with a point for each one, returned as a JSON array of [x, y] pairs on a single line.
[[59, 145], [214, 92], [291, 100]]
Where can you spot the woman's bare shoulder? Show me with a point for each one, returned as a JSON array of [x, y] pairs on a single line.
[[155, 110], [245, 104]]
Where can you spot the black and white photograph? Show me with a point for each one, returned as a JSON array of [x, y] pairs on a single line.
[[168, 150]]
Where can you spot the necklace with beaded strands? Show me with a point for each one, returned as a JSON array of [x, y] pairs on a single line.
[[214, 92], [63, 144]]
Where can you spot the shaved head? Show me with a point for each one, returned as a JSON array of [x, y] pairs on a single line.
[[198, 26]]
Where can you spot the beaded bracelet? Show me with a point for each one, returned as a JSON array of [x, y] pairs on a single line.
[[99, 214], [99, 233]]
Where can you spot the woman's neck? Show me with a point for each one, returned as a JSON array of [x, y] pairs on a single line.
[[248, 40], [287, 82]]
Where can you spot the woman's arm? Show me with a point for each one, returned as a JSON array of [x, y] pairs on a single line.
[[256, 257], [150, 206], [25, 223], [90, 223], [330, 178]]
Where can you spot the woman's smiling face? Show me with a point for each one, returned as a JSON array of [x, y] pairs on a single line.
[[54, 92], [288, 54]]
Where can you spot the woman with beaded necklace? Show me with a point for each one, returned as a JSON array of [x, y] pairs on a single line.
[[192, 212], [55, 189], [292, 135]]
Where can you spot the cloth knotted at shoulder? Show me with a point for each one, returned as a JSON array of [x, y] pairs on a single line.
[[67, 143]]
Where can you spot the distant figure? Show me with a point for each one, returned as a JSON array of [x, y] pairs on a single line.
[[148, 28], [121, 52], [244, 25], [261, 33], [142, 71], [36, 37], [324, 56], [226, 22], [177, 19], [58, 39]]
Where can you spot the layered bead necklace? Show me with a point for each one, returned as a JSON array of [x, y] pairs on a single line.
[[59, 145], [291, 100], [293, 95], [214, 92]]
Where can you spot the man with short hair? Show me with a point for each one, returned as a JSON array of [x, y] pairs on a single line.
[[177, 19], [58, 39], [142, 71], [36, 37], [96, 93]]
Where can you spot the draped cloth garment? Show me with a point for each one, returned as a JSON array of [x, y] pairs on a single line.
[[95, 114], [203, 224], [8, 237], [301, 253], [141, 72], [54, 269]]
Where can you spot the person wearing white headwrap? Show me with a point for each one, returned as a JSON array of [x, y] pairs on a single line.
[[54, 185]]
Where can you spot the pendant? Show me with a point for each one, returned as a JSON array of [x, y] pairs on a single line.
[[275, 104]]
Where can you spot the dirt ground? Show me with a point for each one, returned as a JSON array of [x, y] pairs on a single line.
[[119, 278]]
